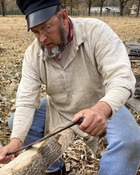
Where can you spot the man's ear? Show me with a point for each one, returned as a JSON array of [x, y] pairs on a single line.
[[64, 16]]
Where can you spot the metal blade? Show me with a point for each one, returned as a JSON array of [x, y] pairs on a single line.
[[48, 136]]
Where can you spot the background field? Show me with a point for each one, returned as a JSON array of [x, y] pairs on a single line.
[[14, 39]]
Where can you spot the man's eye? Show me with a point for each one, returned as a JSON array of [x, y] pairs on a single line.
[[47, 28], [35, 33]]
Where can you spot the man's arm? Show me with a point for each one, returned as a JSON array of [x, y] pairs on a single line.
[[26, 102], [118, 80]]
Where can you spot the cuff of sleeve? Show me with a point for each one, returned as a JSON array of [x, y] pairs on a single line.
[[116, 98], [22, 122]]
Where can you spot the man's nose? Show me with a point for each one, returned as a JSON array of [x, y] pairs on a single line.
[[42, 37]]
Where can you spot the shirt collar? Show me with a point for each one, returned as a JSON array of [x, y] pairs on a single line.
[[70, 35]]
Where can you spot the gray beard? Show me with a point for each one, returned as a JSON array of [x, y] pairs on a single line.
[[52, 53]]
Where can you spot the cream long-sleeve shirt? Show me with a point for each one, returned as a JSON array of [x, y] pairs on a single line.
[[97, 68]]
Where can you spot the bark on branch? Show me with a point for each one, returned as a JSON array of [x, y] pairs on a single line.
[[38, 158]]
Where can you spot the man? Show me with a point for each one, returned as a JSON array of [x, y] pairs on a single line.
[[87, 72]]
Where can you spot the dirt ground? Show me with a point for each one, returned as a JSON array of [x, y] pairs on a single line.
[[14, 39]]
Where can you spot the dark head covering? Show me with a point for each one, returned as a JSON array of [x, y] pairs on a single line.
[[37, 11]]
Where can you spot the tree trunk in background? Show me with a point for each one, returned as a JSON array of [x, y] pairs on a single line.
[[122, 5], [71, 4], [89, 3], [89, 10], [137, 14], [3, 7], [121, 9], [101, 6]]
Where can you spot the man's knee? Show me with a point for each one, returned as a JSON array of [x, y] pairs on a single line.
[[129, 143], [133, 143]]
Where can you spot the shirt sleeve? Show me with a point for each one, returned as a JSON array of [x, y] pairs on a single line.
[[116, 97], [114, 65], [22, 122], [28, 97]]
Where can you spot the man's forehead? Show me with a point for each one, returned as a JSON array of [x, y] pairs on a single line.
[[45, 24]]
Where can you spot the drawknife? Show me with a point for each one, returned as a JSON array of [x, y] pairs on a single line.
[[47, 136]]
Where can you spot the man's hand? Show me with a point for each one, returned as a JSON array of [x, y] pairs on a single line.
[[12, 146], [95, 119]]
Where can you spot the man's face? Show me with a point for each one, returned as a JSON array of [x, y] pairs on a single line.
[[52, 36]]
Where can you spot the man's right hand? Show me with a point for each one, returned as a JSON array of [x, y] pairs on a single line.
[[14, 145]]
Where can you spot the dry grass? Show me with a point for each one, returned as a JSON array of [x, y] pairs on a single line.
[[128, 28], [14, 37]]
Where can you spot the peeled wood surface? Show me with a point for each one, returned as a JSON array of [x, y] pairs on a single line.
[[38, 158]]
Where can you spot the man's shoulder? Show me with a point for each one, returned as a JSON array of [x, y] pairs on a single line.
[[91, 28], [85, 20], [89, 25]]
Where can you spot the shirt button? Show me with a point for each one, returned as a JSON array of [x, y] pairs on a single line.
[[63, 72]]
